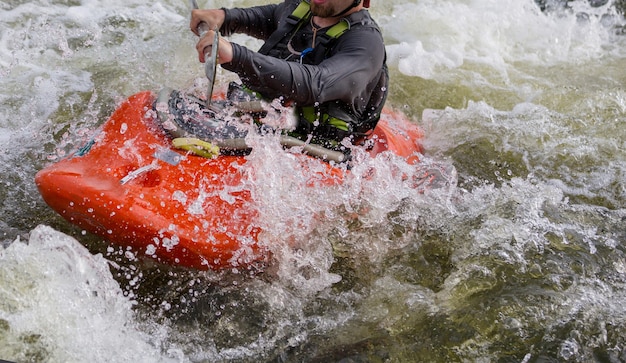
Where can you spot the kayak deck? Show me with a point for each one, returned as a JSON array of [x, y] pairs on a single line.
[[132, 187]]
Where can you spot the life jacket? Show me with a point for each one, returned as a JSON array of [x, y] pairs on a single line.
[[300, 15], [330, 120]]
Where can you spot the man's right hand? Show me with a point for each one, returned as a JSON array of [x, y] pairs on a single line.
[[225, 49]]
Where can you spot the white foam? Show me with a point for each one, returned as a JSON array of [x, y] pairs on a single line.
[[64, 299], [55, 290], [428, 38]]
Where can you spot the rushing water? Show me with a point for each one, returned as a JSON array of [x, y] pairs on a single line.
[[522, 260]]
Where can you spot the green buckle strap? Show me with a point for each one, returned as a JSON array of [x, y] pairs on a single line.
[[302, 11], [338, 29], [337, 123], [311, 115]]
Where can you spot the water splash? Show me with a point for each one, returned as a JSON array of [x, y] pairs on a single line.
[[57, 299], [522, 261]]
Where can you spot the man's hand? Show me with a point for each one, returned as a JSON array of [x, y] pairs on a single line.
[[213, 18], [205, 43], [210, 20]]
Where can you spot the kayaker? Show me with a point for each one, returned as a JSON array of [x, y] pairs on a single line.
[[326, 57]]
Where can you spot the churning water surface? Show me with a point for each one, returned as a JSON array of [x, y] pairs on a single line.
[[521, 258]]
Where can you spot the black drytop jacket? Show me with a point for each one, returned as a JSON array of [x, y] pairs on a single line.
[[346, 78]]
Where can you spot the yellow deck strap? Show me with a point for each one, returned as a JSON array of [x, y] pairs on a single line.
[[197, 146]]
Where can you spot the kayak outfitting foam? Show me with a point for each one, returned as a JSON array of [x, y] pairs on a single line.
[[134, 186]]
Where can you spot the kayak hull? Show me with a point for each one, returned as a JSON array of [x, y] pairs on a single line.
[[130, 186]]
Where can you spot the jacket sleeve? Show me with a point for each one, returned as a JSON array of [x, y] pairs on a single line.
[[258, 21], [356, 59]]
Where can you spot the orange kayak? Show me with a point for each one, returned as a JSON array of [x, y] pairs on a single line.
[[131, 186]]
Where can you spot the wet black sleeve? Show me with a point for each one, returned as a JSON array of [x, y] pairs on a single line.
[[356, 60], [259, 21]]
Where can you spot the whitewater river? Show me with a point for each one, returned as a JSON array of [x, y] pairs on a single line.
[[521, 258]]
